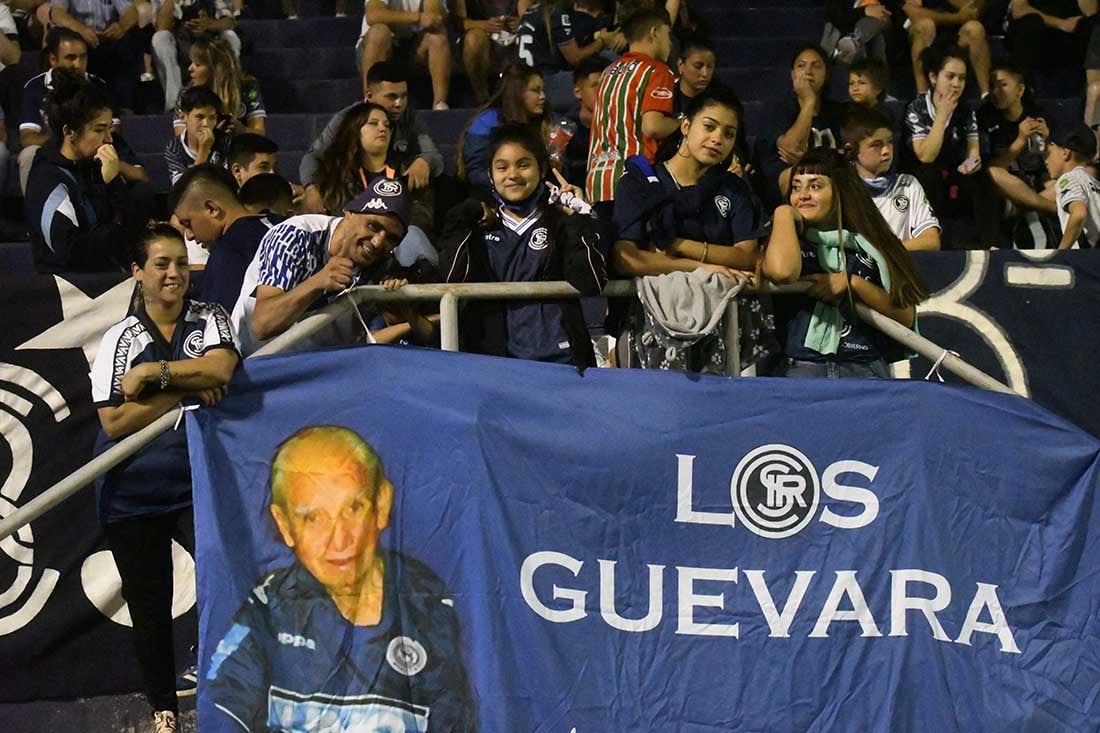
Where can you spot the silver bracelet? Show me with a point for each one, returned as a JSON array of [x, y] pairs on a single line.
[[164, 374]]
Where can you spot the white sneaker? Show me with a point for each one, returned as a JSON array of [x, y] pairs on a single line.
[[441, 105], [164, 721]]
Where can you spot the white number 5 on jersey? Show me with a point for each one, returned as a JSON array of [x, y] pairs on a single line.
[[525, 55]]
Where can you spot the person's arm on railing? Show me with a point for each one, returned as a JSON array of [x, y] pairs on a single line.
[[277, 309], [212, 369], [740, 256], [130, 417], [783, 255], [286, 287], [832, 288], [204, 378], [630, 259], [404, 320], [879, 300]]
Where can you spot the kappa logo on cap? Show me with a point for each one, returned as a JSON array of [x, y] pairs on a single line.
[[723, 204], [540, 239], [388, 187]]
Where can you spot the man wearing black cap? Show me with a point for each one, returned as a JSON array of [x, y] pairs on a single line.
[[307, 259], [1069, 150]]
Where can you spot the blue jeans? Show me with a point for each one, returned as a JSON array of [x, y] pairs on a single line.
[[837, 369]]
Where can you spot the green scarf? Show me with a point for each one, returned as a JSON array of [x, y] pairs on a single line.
[[827, 322]]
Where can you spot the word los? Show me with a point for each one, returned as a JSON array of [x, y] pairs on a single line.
[[845, 590], [775, 491]]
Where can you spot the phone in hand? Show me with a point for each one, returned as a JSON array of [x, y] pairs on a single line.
[[970, 165]]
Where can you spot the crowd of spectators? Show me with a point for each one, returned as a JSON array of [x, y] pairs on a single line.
[[603, 146], [615, 94]]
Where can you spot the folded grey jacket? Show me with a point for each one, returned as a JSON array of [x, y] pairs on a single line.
[[685, 306]]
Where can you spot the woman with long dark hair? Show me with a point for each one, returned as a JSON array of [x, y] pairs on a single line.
[[831, 235], [687, 212], [523, 237], [167, 350], [356, 156], [80, 213], [519, 100]]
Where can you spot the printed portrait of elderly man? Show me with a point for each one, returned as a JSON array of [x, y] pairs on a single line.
[[352, 637]]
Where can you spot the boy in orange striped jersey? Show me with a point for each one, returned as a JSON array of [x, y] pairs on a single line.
[[634, 109]]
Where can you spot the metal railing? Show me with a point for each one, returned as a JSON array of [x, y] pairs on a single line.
[[448, 297]]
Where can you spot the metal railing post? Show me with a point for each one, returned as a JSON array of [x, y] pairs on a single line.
[[448, 322], [932, 351], [733, 338], [86, 474]]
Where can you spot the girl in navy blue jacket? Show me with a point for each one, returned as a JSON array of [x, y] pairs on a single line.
[[684, 213], [79, 211], [523, 237]]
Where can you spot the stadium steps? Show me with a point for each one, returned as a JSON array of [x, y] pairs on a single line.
[[307, 70]]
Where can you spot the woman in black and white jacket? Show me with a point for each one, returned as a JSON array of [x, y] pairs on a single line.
[[168, 350], [79, 211]]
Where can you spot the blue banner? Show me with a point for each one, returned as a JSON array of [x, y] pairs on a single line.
[[488, 544]]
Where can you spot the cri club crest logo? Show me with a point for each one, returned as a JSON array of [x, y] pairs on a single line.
[[775, 491]]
